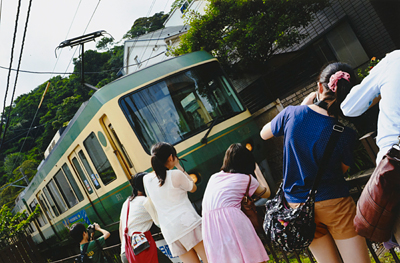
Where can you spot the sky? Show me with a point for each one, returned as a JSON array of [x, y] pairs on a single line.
[[50, 23]]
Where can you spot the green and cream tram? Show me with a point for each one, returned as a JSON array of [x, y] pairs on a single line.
[[186, 101]]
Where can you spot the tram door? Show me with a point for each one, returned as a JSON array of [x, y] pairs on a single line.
[[118, 148], [91, 182]]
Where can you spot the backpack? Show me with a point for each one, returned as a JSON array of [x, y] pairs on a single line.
[[83, 258]]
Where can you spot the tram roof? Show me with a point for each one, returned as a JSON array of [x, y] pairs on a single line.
[[105, 94]]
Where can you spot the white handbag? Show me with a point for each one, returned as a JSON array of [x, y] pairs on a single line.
[[149, 206]]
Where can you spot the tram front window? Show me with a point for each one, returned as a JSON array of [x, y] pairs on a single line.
[[180, 106]]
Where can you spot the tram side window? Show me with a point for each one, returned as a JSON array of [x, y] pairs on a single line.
[[52, 204], [99, 159], [89, 170], [72, 182], [41, 219], [31, 227], [65, 189], [45, 206], [51, 186], [82, 175]]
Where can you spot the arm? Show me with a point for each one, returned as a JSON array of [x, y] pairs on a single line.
[[263, 183], [185, 183], [259, 192], [364, 95], [266, 132], [309, 99], [105, 233]]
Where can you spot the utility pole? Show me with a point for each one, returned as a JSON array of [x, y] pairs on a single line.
[[24, 176], [81, 41]]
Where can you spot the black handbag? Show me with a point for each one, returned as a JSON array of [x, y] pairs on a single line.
[[294, 228]]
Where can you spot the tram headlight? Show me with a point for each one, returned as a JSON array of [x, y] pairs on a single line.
[[249, 146], [194, 177]]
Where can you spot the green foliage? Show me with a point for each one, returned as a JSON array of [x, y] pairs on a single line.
[[363, 73], [247, 31], [12, 161], [13, 226], [145, 25], [105, 43]]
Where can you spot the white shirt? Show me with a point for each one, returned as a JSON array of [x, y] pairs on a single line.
[[139, 219], [384, 80], [176, 214]]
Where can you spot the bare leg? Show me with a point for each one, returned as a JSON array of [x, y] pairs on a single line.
[[324, 250], [190, 257], [199, 248], [353, 249]]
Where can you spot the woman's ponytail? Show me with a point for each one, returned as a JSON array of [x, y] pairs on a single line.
[[160, 153], [337, 79], [159, 169]]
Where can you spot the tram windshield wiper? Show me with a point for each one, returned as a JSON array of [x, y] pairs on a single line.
[[213, 123]]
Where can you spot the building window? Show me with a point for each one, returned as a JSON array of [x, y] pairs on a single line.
[[345, 45]]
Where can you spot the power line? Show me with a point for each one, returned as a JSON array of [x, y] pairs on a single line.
[[94, 11], [69, 29], [137, 38], [72, 73], [158, 35], [16, 77], [9, 72]]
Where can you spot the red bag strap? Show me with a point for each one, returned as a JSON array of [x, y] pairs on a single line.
[[127, 216]]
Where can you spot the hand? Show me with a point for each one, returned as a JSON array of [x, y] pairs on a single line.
[[309, 100], [96, 226]]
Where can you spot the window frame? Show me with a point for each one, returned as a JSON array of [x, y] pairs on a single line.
[[224, 79]]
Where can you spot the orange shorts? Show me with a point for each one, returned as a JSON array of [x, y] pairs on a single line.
[[334, 216]]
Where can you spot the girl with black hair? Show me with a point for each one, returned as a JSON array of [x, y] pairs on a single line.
[[307, 129], [167, 188], [228, 233], [139, 220]]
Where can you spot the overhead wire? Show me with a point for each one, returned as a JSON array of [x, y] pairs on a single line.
[[37, 110], [137, 39], [1, 9], [17, 74], [71, 73], [69, 29], [72, 58], [2, 136], [161, 31]]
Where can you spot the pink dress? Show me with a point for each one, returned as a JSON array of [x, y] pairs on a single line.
[[228, 234]]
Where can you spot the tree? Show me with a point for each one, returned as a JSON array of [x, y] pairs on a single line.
[[105, 43], [247, 33], [14, 226], [12, 161], [144, 25]]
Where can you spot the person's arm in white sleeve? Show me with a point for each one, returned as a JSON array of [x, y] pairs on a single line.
[[364, 95]]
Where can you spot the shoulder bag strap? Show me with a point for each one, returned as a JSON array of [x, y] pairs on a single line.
[[84, 250], [337, 131], [127, 216]]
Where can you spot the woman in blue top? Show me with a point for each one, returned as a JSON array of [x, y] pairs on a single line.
[[306, 130]]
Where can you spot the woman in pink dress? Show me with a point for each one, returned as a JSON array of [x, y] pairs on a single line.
[[228, 234]]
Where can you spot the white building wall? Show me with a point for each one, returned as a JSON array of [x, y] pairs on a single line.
[[177, 18], [144, 52]]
